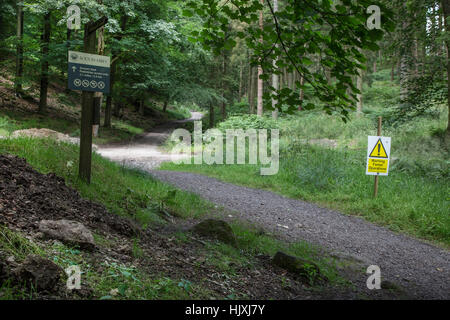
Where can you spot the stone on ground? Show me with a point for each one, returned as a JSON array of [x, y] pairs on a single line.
[[69, 232], [38, 272], [296, 265], [216, 229]]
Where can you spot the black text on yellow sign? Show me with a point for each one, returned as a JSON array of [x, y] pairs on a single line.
[[378, 152], [377, 165]]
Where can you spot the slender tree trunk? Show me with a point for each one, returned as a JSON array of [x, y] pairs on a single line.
[[166, 102], [250, 89], [302, 92], [241, 80], [211, 115], [405, 60], [98, 96], [224, 72], [68, 37], [275, 77], [19, 56], [416, 57], [392, 71], [116, 109], [446, 12], [142, 106], [253, 90], [44, 64], [117, 106], [108, 107], [260, 70], [359, 86]]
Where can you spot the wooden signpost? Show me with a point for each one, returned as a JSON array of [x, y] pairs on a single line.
[[378, 154], [87, 109]]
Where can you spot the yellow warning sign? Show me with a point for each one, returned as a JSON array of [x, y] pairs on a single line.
[[379, 151], [377, 166]]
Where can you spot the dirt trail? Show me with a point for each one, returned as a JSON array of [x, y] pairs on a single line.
[[145, 152], [420, 269]]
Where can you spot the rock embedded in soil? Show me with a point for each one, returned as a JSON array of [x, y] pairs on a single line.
[[216, 229], [38, 272], [69, 232], [296, 265], [27, 197]]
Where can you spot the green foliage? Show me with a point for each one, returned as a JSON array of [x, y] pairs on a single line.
[[292, 44], [15, 244], [382, 93], [245, 122], [426, 94], [328, 170]]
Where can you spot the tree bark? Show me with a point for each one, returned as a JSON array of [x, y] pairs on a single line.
[[446, 11], [405, 59], [109, 102], [98, 96], [142, 107], [392, 71], [108, 107], [224, 71], [302, 92], [44, 64], [359, 86], [211, 115], [260, 70], [251, 91], [275, 77], [241, 80], [19, 57]]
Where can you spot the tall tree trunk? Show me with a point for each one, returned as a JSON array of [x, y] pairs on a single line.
[[392, 71], [275, 77], [211, 115], [224, 71], [98, 96], [142, 106], [260, 70], [19, 56], [166, 102], [241, 80], [68, 36], [446, 11], [302, 92], [44, 63], [359, 86], [416, 57], [250, 89], [405, 57], [375, 64], [109, 102], [108, 107]]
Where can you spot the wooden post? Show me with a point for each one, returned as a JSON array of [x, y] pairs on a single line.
[[375, 191], [87, 115], [87, 106]]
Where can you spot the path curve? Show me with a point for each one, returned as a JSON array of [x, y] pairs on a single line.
[[144, 152], [421, 269]]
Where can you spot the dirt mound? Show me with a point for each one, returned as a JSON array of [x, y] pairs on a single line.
[[27, 197], [47, 133]]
